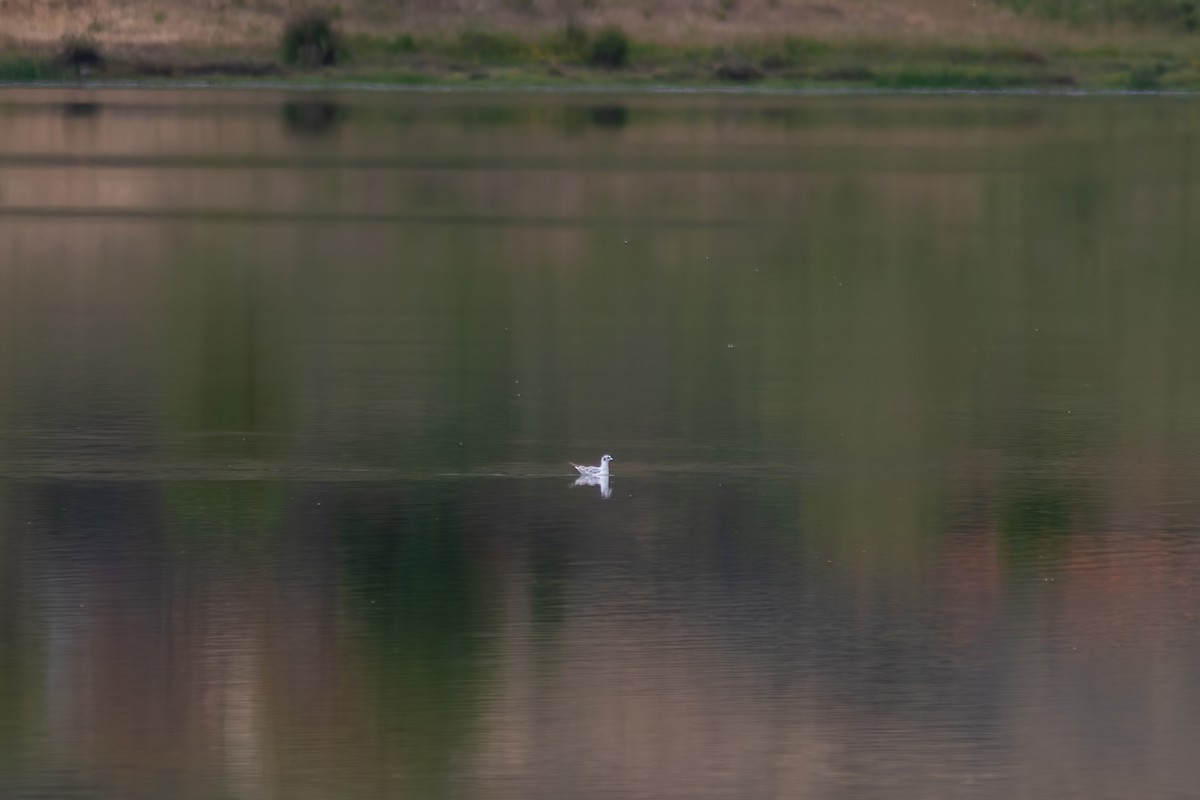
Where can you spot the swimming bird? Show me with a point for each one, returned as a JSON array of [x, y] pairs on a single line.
[[593, 472]]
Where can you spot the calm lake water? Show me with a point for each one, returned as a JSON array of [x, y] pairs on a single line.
[[903, 392]]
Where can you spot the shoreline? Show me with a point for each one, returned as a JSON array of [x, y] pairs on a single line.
[[571, 59], [914, 71], [597, 89]]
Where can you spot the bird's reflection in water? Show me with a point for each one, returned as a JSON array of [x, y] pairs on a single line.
[[595, 480]]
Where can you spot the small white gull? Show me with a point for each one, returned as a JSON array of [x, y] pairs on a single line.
[[593, 472]]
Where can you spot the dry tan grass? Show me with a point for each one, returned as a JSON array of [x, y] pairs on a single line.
[[239, 24], [244, 22]]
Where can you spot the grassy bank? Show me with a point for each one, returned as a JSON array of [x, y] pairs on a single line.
[[905, 44], [785, 61], [481, 59]]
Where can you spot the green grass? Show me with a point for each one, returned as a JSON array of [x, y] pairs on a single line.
[[1148, 77], [951, 77], [490, 47], [375, 48], [19, 69], [1181, 15], [575, 55], [567, 57]]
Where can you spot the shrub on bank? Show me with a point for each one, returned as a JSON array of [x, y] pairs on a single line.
[[610, 49], [738, 70], [81, 54], [311, 41]]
